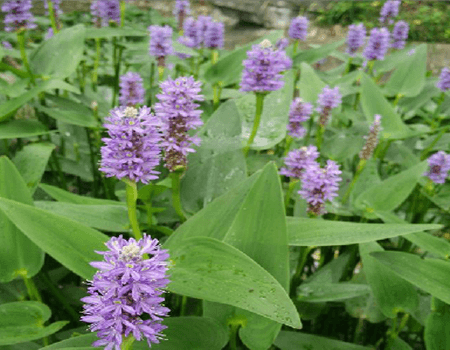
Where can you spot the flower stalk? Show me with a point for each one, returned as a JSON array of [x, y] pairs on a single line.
[[256, 121], [176, 197], [132, 195], [23, 54]]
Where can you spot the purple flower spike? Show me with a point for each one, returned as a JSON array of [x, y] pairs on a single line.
[[439, 164], [181, 6], [178, 113], [7, 45], [444, 80], [202, 25], [214, 35], [160, 43], [355, 38], [132, 149], [400, 34], [126, 287], [18, 15], [191, 33], [56, 7], [299, 112], [108, 11], [389, 11], [282, 44], [328, 99], [377, 45], [298, 160], [263, 67], [320, 185], [298, 28], [131, 89], [371, 139]]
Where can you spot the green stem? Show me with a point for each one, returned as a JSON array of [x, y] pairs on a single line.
[[152, 80], [319, 138], [370, 65], [310, 126], [93, 162], [96, 64], [291, 187], [160, 73], [296, 279], [359, 169], [257, 120], [33, 292], [127, 343], [233, 336], [23, 54], [51, 14], [434, 120], [289, 141], [183, 305], [397, 98], [122, 13], [131, 190], [59, 170], [176, 198], [349, 64], [427, 150], [294, 49], [116, 78]]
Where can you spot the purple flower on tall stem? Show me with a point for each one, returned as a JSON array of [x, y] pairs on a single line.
[[160, 43], [181, 9], [400, 34], [355, 38], [439, 164], [131, 89], [319, 185], [328, 99], [191, 33], [298, 28], [299, 112], [56, 7], [132, 149], [389, 11], [202, 25], [18, 15], [125, 295], [444, 80], [178, 113], [298, 160], [371, 139], [377, 45], [108, 11], [263, 68], [214, 35]]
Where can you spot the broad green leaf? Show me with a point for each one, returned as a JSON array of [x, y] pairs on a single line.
[[310, 84], [69, 242], [392, 61], [313, 55], [60, 55], [431, 275], [303, 341], [398, 344], [392, 294], [18, 254], [108, 32], [441, 198], [182, 333], [112, 218], [409, 77], [373, 102], [437, 327], [22, 346], [317, 293], [218, 164], [14, 129], [390, 193], [24, 321], [435, 245], [63, 196], [31, 162], [274, 118], [313, 232], [208, 269]]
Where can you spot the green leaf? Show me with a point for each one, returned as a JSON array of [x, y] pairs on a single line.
[[15, 129], [392, 294], [313, 232], [409, 76], [313, 55], [373, 102], [398, 344], [390, 193], [67, 241], [31, 162], [437, 327], [108, 32], [310, 84], [435, 245], [431, 275], [24, 321], [112, 218], [303, 341], [65, 47], [317, 293], [208, 269], [17, 253]]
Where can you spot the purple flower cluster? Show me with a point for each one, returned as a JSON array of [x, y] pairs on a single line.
[[328, 99], [131, 89], [202, 24], [263, 68], [177, 111], [56, 7], [132, 149], [299, 28], [298, 160], [400, 34], [439, 164], [389, 11], [371, 139], [282, 44], [355, 38], [181, 9], [444, 80], [105, 11], [126, 287], [160, 42], [299, 112], [191, 33], [213, 37], [377, 45], [203, 32], [319, 185], [18, 15]]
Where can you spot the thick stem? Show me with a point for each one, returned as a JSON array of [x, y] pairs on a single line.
[[233, 336], [349, 64], [183, 305], [116, 78], [160, 73], [257, 120], [96, 64], [32, 290], [93, 162], [176, 198], [23, 54], [291, 187], [319, 138], [122, 13], [132, 195], [294, 49], [51, 14], [296, 279], [359, 169], [397, 98], [287, 147]]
